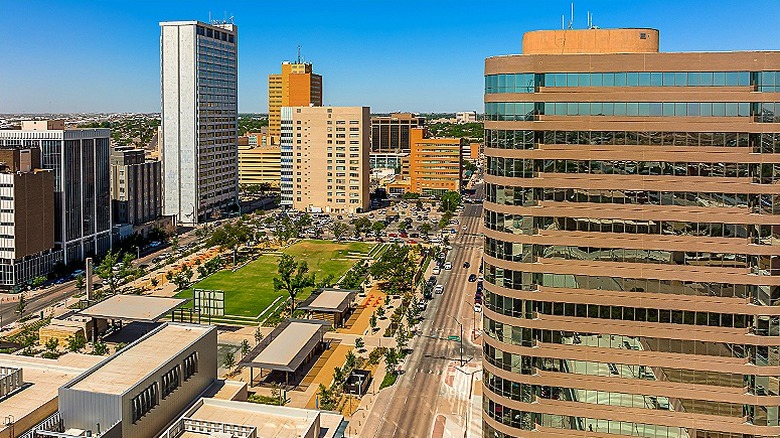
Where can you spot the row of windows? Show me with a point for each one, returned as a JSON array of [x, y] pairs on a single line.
[[525, 139], [530, 253], [528, 225], [530, 82], [527, 337], [529, 420], [525, 309], [208, 32], [145, 402], [527, 196], [527, 393], [518, 280], [170, 381], [526, 111], [762, 173]]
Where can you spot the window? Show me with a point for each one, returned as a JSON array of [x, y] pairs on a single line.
[[642, 35], [190, 365], [171, 381], [145, 402]]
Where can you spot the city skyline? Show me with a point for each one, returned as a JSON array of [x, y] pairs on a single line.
[[407, 51]]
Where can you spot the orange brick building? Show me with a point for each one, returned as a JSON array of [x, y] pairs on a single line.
[[297, 85]]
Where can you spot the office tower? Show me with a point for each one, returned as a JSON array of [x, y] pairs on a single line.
[[258, 164], [26, 218], [136, 186], [390, 134], [82, 202], [328, 151], [199, 119], [632, 218], [434, 164], [297, 85]]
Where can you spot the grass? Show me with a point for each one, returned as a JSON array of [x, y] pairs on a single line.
[[250, 290], [389, 379]]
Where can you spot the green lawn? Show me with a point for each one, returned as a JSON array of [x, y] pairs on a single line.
[[250, 290]]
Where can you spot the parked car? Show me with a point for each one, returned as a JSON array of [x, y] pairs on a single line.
[[436, 270], [473, 278], [448, 266], [438, 289], [478, 307], [466, 265]]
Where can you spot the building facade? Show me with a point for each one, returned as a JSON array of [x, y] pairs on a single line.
[[258, 164], [26, 218], [435, 164], [390, 134], [79, 160], [328, 164], [632, 224], [136, 186], [199, 128], [466, 117], [297, 85]]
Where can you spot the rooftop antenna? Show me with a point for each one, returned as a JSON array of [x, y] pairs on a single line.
[[563, 21], [571, 22]]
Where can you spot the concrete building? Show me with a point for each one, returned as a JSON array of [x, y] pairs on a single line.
[[434, 166], [386, 160], [466, 117], [141, 389], [631, 239], [327, 158], [297, 85], [136, 186], [258, 164], [199, 79], [79, 161], [26, 218], [391, 133]]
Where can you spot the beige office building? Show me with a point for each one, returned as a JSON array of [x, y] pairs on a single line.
[[258, 163], [329, 166]]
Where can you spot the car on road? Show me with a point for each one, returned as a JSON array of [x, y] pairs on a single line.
[[439, 289], [477, 307], [155, 244], [448, 266], [466, 265], [473, 278]]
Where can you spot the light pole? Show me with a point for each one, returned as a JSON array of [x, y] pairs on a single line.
[[474, 320], [461, 338]]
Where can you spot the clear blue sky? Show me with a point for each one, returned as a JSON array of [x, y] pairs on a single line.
[[427, 56]]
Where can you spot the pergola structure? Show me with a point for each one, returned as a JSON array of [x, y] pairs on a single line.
[[291, 344], [332, 305]]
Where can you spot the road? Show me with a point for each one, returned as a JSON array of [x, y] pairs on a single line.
[[56, 293], [418, 395]]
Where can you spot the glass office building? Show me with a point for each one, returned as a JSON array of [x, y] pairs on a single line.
[[632, 224]]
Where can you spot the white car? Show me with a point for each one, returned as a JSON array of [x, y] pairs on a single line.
[[448, 266], [439, 289], [477, 307], [436, 270]]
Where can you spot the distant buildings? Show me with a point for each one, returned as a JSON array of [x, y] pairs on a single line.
[[258, 162], [632, 217], [26, 218], [327, 163], [390, 134], [79, 160], [199, 119], [297, 85], [466, 117], [434, 165], [136, 188]]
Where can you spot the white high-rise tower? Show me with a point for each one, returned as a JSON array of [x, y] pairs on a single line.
[[199, 84]]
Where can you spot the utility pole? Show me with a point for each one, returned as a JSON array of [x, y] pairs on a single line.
[[461, 338]]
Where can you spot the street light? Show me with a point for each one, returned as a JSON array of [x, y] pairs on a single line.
[[474, 319], [461, 338]]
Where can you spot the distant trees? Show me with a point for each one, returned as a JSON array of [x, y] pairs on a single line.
[[230, 237], [450, 201], [377, 227], [339, 230], [21, 306]]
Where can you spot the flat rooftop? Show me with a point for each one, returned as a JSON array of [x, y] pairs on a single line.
[[287, 350], [46, 376], [133, 308], [270, 421], [122, 371], [330, 300]]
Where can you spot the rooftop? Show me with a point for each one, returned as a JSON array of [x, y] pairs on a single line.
[[133, 308], [330, 300], [42, 379], [122, 371], [288, 345]]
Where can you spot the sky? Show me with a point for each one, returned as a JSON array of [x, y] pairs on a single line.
[[422, 56]]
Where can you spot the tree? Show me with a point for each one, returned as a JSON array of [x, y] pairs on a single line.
[[174, 243], [80, 283], [38, 281], [391, 360], [426, 228], [154, 281], [109, 271], [258, 335], [100, 349], [359, 343], [182, 278], [350, 361], [51, 346], [410, 195], [418, 204], [339, 230], [381, 311], [303, 222], [338, 376], [377, 227], [229, 360], [285, 230], [450, 201], [21, 305], [396, 267], [230, 236], [76, 342], [373, 321], [362, 225], [401, 338], [245, 348], [325, 282], [293, 278]]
